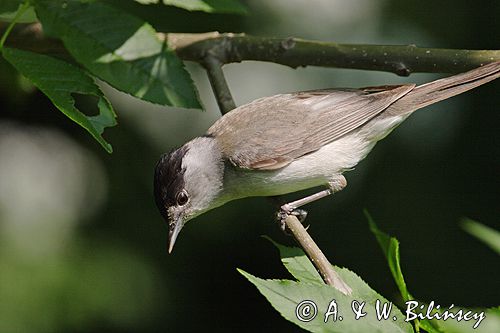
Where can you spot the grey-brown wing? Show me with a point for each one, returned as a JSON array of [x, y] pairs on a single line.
[[271, 132]]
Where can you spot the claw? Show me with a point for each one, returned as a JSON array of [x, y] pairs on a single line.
[[301, 214], [281, 216], [287, 210]]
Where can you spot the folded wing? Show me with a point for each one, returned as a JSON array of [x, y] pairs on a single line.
[[271, 132]]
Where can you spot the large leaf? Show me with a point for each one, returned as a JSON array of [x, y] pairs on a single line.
[[489, 236], [209, 6], [298, 264], [120, 49], [58, 80], [310, 300], [10, 6], [9, 9]]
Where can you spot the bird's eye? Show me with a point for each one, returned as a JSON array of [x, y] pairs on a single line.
[[182, 198]]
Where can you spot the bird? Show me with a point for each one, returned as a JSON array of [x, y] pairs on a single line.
[[290, 142]]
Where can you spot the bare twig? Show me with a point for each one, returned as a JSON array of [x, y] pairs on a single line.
[[316, 255], [219, 84], [295, 52]]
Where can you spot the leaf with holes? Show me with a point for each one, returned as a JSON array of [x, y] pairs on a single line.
[[121, 49], [59, 80]]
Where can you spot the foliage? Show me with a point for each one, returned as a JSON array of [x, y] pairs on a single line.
[[108, 43], [58, 80], [307, 301], [294, 299], [209, 6], [111, 44], [486, 234]]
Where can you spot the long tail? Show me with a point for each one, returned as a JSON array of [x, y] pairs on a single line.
[[438, 90]]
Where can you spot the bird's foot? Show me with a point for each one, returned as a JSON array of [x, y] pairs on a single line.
[[287, 210]]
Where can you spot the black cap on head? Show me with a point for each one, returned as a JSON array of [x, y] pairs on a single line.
[[169, 179]]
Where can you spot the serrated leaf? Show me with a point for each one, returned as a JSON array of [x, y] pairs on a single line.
[[58, 80], [120, 49], [390, 247], [487, 235], [209, 6], [298, 264], [291, 298]]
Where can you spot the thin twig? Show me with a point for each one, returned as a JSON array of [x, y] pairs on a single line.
[[219, 84], [316, 256]]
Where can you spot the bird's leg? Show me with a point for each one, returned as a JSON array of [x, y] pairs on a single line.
[[290, 208]]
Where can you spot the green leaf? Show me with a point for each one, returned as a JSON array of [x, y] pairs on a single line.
[[10, 6], [9, 9], [120, 49], [58, 80], [147, 2], [430, 326], [390, 247], [209, 6], [489, 236], [298, 264], [286, 295], [490, 322], [289, 297]]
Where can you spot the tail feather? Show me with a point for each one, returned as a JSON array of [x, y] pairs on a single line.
[[438, 90]]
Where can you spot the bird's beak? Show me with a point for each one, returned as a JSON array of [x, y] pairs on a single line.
[[174, 229]]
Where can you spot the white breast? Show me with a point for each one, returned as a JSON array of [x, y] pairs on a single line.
[[311, 170]]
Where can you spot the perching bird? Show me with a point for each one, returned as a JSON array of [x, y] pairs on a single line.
[[290, 142]]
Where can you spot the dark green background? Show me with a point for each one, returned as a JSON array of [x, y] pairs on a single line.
[[439, 166]]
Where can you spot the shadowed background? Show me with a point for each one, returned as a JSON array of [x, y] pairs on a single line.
[[83, 248]]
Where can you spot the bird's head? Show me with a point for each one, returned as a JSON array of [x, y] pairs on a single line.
[[187, 182]]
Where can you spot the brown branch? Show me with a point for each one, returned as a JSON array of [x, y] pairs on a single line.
[[219, 84], [316, 256], [294, 52]]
